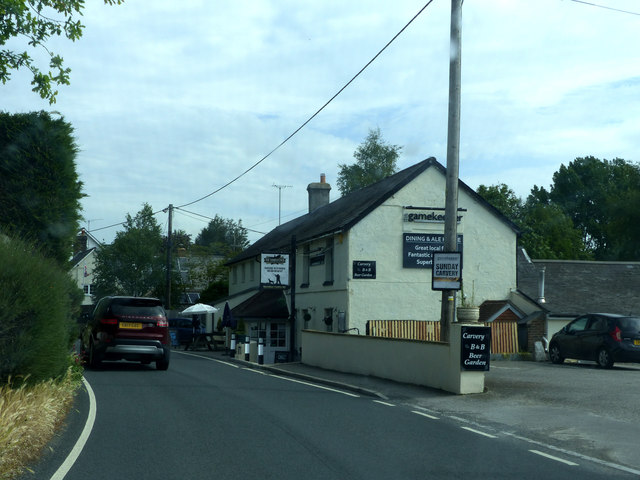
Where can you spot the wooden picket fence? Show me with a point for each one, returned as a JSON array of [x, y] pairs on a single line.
[[504, 335]]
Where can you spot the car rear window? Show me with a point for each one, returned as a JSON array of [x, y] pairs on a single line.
[[138, 310], [629, 324]]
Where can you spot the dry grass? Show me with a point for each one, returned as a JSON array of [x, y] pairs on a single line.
[[29, 417]]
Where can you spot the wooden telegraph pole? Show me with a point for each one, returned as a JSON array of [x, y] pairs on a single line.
[[453, 156]]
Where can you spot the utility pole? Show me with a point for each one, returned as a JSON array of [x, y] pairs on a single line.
[[169, 246], [280, 187], [453, 158]]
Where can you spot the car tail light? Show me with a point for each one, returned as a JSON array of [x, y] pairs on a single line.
[[109, 321], [163, 322], [616, 334]]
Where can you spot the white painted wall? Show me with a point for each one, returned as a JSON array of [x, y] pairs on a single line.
[[431, 364]]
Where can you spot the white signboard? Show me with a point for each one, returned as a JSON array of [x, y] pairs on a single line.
[[275, 269], [447, 271]]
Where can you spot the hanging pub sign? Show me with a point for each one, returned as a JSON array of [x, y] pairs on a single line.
[[475, 348], [446, 273], [418, 248], [364, 269], [274, 271]]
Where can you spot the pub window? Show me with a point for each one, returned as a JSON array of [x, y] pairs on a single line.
[[328, 262], [328, 319], [244, 273], [305, 266], [234, 274], [278, 335]]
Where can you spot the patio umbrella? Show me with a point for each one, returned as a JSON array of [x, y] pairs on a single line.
[[198, 309], [227, 317]]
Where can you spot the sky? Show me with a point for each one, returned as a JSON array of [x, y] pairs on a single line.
[[170, 101]]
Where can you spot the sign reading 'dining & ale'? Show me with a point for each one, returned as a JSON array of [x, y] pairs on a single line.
[[275, 270], [475, 351]]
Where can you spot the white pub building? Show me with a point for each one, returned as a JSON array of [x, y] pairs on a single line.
[[368, 256]]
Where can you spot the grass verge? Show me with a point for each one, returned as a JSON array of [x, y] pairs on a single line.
[[30, 415]]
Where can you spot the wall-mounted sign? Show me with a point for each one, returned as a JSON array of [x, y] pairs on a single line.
[[475, 351], [427, 215], [364, 269], [418, 248], [446, 271], [274, 270]]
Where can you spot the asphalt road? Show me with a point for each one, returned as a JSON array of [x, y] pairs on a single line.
[[205, 418]]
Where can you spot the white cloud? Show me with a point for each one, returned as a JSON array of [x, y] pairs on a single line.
[[171, 100]]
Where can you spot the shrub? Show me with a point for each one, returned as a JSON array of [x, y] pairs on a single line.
[[35, 314]]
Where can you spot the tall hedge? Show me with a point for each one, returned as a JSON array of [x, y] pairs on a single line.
[[36, 310], [39, 187]]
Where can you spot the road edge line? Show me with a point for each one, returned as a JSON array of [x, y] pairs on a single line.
[[82, 439]]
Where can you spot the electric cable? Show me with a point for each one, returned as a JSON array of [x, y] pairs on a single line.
[[315, 114]]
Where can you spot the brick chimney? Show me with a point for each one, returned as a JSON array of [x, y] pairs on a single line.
[[80, 245], [318, 193]]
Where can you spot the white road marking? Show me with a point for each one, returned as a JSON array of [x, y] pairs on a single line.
[[82, 440], [575, 454], [257, 371], [479, 432], [384, 403], [425, 415], [316, 385], [228, 364], [546, 455]]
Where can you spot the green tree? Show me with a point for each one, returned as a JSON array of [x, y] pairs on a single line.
[[504, 199], [35, 22], [39, 188], [375, 160], [547, 232], [133, 264], [594, 193], [223, 236]]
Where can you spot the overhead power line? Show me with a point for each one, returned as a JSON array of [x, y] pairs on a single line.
[[605, 7], [315, 114], [297, 129]]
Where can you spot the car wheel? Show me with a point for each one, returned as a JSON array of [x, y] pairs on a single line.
[[163, 364], [94, 361], [554, 354], [604, 358]]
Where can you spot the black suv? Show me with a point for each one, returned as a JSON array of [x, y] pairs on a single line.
[[128, 328], [602, 337]]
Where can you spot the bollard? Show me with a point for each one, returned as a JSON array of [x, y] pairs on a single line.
[[232, 351], [261, 351], [246, 348]]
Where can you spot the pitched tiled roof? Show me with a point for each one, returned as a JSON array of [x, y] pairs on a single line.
[[81, 256], [267, 303], [573, 287], [345, 212]]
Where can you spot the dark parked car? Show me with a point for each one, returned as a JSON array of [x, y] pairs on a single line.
[[128, 328], [184, 329], [602, 337]]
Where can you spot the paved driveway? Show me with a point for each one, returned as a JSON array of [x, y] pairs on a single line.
[[576, 406]]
